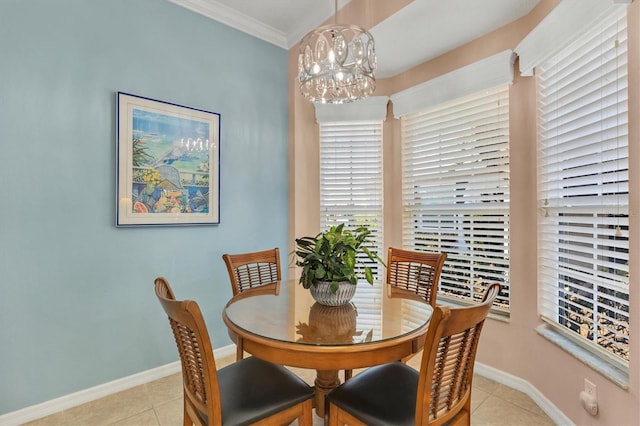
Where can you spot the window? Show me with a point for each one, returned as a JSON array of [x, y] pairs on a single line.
[[351, 184], [583, 189], [455, 189]]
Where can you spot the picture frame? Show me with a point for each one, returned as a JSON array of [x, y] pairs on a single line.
[[168, 164]]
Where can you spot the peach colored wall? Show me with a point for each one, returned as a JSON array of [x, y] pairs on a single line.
[[513, 347]]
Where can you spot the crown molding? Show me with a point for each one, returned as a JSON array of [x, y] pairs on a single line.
[[228, 16]]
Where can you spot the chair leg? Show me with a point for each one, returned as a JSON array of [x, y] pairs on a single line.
[[348, 374], [306, 418], [462, 419], [339, 417], [186, 421], [239, 349], [333, 416]]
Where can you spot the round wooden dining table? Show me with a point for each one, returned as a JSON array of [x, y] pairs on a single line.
[[288, 327]]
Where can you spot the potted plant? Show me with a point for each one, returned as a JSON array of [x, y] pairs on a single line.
[[332, 257]]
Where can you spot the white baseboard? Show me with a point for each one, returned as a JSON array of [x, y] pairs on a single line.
[[527, 388], [66, 402], [56, 405]]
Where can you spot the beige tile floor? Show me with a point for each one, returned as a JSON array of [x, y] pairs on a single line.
[[159, 403]]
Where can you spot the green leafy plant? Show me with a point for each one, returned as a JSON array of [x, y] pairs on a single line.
[[333, 256], [140, 156]]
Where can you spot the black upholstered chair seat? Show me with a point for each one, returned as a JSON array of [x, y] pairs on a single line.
[[273, 388], [381, 395], [438, 394], [247, 391]]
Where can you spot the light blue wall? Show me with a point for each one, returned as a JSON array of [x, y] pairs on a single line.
[[77, 307]]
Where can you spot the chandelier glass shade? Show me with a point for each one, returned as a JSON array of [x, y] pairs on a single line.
[[337, 64]]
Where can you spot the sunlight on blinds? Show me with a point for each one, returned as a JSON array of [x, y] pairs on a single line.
[[455, 189], [351, 191], [583, 178]]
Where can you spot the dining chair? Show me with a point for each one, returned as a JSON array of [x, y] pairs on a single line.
[[253, 272], [414, 273], [250, 391], [439, 393]]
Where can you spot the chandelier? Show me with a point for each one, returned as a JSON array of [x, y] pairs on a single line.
[[337, 63]]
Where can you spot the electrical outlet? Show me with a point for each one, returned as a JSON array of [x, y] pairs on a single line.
[[588, 398], [590, 388]]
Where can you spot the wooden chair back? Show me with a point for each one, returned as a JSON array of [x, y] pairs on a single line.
[[277, 396], [199, 373], [414, 273], [446, 371], [253, 271]]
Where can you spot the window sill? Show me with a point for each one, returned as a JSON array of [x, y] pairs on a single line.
[[618, 375]]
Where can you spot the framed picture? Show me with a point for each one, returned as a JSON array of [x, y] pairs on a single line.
[[168, 164]]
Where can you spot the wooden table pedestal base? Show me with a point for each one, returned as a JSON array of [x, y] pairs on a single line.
[[326, 381]]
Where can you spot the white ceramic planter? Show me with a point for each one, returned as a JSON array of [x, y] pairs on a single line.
[[323, 295]]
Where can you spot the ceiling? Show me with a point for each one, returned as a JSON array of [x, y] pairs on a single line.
[[421, 31]]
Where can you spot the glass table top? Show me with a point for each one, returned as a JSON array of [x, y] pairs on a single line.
[[293, 316]]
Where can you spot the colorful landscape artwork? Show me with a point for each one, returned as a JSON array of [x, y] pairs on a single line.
[[172, 157]]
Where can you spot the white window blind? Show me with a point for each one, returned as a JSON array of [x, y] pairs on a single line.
[[351, 190], [455, 190], [583, 188]]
